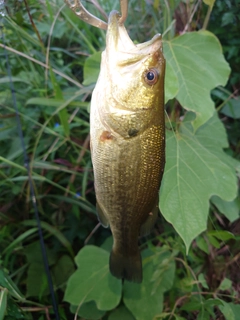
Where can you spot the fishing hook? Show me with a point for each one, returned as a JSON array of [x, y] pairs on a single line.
[[87, 17]]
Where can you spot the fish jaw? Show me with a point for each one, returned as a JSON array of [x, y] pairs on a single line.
[[118, 41]]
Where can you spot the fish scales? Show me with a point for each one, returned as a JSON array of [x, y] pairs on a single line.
[[128, 143]]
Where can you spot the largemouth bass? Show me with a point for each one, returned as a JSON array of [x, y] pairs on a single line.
[[127, 131]]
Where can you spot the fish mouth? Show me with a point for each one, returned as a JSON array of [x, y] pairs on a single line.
[[118, 39]]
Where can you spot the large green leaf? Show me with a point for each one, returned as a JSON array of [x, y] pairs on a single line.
[[171, 83], [121, 313], [138, 298], [36, 281], [63, 269], [196, 169], [91, 68], [231, 209], [200, 66], [37, 285], [236, 309], [88, 311], [232, 108], [164, 270], [145, 300], [227, 311], [92, 281]]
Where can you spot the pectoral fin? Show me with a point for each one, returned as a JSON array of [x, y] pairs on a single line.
[[102, 216], [148, 225]]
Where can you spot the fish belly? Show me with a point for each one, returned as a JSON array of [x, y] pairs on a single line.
[[127, 175]]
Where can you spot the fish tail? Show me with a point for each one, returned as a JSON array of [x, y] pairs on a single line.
[[125, 266]]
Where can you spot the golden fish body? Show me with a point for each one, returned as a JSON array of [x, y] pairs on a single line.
[[128, 142]]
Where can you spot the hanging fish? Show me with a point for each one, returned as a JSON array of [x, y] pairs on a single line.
[[127, 130]]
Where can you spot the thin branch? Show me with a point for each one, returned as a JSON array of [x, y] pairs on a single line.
[[191, 17], [32, 23], [92, 233]]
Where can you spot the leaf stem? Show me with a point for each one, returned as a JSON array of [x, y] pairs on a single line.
[[205, 24]]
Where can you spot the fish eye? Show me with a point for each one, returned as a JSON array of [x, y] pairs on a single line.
[[151, 76]]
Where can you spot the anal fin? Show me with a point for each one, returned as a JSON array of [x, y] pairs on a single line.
[[148, 225], [102, 215]]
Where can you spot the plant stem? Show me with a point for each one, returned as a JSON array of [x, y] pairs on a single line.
[[205, 24]]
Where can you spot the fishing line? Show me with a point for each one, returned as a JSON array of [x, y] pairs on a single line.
[[27, 166]]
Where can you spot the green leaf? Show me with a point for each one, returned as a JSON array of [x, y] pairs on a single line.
[[62, 271], [88, 311], [36, 276], [14, 312], [6, 282], [93, 281], [212, 302], [202, 244], [121, 313], [15, 148], [235, 309], [3, 302], [227, 18], [200, 66], [221, 235], [193, 304], [145, 300], [63, 114], [107, 244], [230, 209], [37, 285], [198, 303], [203, 315], [34, 254], [91, 69], [195, 170], [164, 270], [13, 79], [227, 311], [47, 102], [54, 231], [226, 284], [19, 240], [185, 284], [214, 242], [207, 309], [232, 108], [171, 83], [209, 2], [203, 281]]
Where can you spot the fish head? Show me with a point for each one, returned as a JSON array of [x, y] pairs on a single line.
[[134, 73]]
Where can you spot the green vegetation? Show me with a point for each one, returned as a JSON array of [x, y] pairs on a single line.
[[191, 260]]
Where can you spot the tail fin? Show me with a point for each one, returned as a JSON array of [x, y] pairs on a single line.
[[126, 266]]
